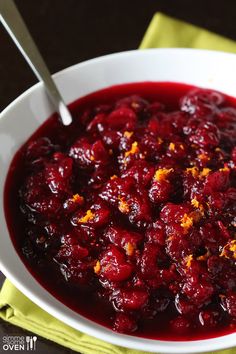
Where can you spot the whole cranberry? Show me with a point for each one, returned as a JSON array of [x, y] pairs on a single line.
[[228, 302], [153, 125], [112, 138], [148, 261], [131, 299], [151, 146], [173, 213], [135, 102], [180, 325], [97, 216], [155, 107], [58, 174], [201, 102], [199, 292], [114, 266], [140, 210], [49, 206], [216, 182], [156, 233], [122, 118], [141, 171], [78, 273], [177, 246], [98, 123], [75, 251], [129, 240], [99, 154], [209, 318], [124, 323], [160, 191], [39, 148], [206, 135], [215, 265], [116, 188], [184, 306], [80, 151]]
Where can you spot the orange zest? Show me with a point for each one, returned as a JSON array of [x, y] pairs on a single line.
[[87, 217], [197, 205], [113, 177], [193, 170], [203, 157], [134, 149], [128, 134], [224, 169], [205, 172], [77, 199], [129, 248], [162, 173], [172, 147], [97, 267], [229, 248], [198, 174], [189, 260], [123, 205], [186, 222]]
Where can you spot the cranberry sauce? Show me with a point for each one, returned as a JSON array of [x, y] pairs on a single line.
[[128, 216]]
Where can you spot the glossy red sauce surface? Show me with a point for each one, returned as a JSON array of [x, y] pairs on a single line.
[[128, 216]]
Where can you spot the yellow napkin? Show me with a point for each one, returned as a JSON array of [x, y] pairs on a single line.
[[19, 310], [167, 32]]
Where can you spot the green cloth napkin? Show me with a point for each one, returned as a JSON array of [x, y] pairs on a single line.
[[167, 32], [18, 309]]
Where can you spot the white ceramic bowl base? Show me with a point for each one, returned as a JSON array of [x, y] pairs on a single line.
[[22, 117]]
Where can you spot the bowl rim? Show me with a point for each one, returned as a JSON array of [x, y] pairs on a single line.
[[59, 74], [86, 325]]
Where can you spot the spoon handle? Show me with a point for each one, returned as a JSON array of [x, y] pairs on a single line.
[[14, 24]]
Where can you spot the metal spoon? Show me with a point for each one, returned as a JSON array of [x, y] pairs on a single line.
[[14, 24]]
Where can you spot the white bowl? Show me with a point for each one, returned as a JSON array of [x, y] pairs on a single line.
[[23, 116]]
